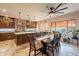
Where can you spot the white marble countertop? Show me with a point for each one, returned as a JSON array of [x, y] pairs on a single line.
[[19, 33], [7, 30]]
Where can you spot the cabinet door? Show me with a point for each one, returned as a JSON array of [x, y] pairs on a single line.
[[7, 23], [30, 24]]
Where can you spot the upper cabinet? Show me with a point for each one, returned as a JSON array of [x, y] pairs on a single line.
[[20, 25], [30, 24], [7, 22]]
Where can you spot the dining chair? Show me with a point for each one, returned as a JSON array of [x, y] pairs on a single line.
[[54, 44], [45, 45], [32, 44], [58, 38]]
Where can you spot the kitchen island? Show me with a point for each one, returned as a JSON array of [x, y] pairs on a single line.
[[12, 41], [21, 37]]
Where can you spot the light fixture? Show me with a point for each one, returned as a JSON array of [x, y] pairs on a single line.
[[19, 14], [4, 10], [6, 16], [51, 15], [70, 24], [73, 25]]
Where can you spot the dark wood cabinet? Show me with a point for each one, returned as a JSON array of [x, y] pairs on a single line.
[[7, 36], [7, 23], [30, 24]]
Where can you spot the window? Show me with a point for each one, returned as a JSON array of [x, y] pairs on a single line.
[[61, 24], [71, 25], [61, 27], [53, 26], [64, 26]]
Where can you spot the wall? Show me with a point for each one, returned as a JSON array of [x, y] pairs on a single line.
[[74, 15], [44, 25], [77, 24]]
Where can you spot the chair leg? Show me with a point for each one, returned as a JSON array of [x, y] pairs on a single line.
[[52, 51], [45, 52], [35, 53], [59, 45], [72, 40], [77, 41], [42, 54], [56, 48], [29, 52]]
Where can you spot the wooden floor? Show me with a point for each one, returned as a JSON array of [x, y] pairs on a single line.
[[67, 49]]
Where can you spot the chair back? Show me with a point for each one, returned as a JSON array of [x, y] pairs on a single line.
[[44, 44], [55, 39], [58, 36], [31, 40]]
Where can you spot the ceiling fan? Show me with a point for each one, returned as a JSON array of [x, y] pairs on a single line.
[[53, 10]]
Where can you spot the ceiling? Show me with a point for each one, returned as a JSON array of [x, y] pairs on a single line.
[[36, 11]]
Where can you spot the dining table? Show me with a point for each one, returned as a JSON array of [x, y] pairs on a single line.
[[46, 38]]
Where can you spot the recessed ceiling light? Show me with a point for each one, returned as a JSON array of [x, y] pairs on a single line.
[[4, 10]]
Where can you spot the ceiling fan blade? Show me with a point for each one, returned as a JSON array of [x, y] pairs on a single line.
[[59, 12], [45, 11], [48, 7], [61, 9], [58, 6]]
